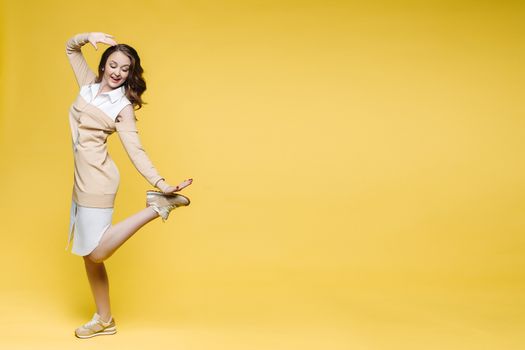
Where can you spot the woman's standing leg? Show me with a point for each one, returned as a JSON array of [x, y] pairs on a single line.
[[98, 279]]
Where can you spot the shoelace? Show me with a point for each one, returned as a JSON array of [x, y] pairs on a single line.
[[94, 322], [91, 323]]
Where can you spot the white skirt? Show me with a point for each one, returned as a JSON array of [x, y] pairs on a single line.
[[86, 227]]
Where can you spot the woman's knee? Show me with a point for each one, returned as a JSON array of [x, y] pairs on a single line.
[[94, 257]]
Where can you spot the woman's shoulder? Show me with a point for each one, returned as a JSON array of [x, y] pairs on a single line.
[[126, 120], [127, 111], [125, 101], [118, 107], [85, 92]]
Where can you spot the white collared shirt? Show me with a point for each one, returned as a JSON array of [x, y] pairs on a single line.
[[110, 102]]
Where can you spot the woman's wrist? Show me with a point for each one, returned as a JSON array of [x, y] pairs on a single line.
[[162, 185], [82, 39]]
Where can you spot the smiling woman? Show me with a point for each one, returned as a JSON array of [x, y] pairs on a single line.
[[119, 69], [106, 104], [120, 64]]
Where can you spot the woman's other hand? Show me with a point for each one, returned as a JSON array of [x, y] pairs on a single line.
[[98, 37], [183, 184]]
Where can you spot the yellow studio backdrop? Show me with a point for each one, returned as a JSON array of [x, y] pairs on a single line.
[[358, 175]]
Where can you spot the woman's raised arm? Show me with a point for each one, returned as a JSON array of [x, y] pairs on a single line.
[[83, 73]]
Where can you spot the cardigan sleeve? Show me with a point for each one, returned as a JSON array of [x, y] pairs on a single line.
[[128, 134], [83, 73]]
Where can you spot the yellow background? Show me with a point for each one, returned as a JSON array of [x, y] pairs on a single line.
[[358, 175]]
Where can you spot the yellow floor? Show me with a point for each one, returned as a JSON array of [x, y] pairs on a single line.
[[381, 319]]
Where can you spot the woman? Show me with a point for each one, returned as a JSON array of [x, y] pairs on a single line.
[[105, 104]]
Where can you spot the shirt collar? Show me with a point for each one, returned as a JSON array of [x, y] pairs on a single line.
[[114, 95]]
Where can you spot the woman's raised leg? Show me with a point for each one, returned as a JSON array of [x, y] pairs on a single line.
[[119, 233]]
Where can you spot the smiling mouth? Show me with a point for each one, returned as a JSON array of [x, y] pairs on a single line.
[[115, 80]]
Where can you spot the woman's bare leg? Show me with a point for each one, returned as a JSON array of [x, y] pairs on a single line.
[[119, 233], [98, 280]]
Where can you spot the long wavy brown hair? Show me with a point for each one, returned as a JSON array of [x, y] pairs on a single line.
[[135, 84]]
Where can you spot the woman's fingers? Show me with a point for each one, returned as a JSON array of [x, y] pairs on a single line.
[[102, 38], [173, 189], [184, 184], [110, 42], [108, 39]]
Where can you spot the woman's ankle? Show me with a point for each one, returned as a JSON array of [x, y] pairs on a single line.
[[105, 317]]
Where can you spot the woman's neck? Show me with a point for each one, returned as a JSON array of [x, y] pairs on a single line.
[[104, 87]]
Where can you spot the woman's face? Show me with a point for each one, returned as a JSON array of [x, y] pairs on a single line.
[[116, 70]]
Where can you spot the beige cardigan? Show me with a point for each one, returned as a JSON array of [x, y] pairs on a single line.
[[92, 120]]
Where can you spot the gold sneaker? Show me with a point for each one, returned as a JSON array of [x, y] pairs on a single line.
[[96, 327], [163, 203]]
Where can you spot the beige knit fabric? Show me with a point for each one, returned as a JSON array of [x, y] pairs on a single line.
[[96, 176]]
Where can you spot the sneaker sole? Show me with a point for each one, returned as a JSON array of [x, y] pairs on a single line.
[[161, 194], [107, 331]]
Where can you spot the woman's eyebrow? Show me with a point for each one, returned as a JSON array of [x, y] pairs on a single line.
[[117, 63]]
